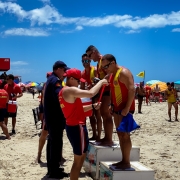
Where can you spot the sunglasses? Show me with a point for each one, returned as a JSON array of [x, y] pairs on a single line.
[[106, 66], [86, 61]]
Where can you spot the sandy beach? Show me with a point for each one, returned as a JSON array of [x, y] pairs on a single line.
[[159, 142]]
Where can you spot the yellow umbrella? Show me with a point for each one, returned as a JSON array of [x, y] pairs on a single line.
[[161, 85]]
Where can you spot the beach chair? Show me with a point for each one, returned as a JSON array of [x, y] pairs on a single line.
[[37, 121]]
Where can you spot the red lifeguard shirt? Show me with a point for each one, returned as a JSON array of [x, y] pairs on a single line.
[[88, 76], [73, 112], [3, 98], [119, 93], [12, 89], [148, 90]]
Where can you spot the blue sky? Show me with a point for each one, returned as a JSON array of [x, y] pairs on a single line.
[[141, 34]]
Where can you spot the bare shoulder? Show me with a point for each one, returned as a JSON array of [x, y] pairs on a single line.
[[125, 74]]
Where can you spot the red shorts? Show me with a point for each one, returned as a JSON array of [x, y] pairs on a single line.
[[156, 94]]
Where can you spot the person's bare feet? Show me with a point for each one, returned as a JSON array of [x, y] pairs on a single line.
[[121, 165], [8, 137], [38, 159], [106, 143], [92, 138]]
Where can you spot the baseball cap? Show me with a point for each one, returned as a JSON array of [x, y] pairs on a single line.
[[60, 64], [75, 73]]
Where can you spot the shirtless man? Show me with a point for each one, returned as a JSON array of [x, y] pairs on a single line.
[[171, 95], [122, 102], [140, 94], [157, 93], [73, 110], [95, 55], [89, 73]]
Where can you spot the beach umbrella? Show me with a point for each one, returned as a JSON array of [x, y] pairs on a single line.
[[27, 82], [177, 82], [151, 82], [162, 86], [21, 84], [32, 84]]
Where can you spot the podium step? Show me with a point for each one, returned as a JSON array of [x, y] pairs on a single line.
[[137, 172], [97, 153]]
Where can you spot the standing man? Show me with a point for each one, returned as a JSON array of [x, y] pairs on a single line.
[[54, 120], [73, 110], [171, 95], [157, 91], [122, 102], [94, 54], [140, 92], [4, 98], [148, 93], [14, 92], [89, 73]]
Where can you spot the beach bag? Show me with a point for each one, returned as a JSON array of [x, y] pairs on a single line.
[[87, 101], [12, 106]]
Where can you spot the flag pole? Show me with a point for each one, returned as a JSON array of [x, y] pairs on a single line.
[[144, 77]]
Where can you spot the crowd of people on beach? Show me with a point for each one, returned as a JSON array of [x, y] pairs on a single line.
[[109, 86]]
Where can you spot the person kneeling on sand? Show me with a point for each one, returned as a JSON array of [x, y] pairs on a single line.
[[3, 101], [73, 110]]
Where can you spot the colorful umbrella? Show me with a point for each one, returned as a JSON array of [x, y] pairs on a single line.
[[162, 86], [151, 82], [32, 84]]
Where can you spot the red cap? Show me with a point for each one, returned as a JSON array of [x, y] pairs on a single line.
[[48, 74], [75, 73]]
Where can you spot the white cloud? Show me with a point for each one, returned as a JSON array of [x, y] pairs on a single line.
[[176, 30], [79, 28], [45, 1], [26, 32], [49, 15], [132, 31], [18, 63]]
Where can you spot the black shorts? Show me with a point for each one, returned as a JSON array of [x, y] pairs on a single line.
[[2, 114], [78, 137]]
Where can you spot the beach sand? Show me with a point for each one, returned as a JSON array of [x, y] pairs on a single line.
[[159, 142]]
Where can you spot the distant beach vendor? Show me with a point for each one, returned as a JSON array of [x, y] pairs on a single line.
[[122, 103], [73, 110]]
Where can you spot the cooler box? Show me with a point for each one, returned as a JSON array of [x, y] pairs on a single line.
[[97, 153], [87, 101], [137, 172], [12, 106], [4, 64]]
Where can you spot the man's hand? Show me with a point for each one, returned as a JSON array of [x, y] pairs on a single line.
[[125, 111], [104, 82], [97, 105]]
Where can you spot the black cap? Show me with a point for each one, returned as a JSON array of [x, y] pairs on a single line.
[[60, 64]]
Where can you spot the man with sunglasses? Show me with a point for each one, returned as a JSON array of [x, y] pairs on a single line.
[[94, 54], [14, 92], [122, 102], [89, 73], [73, 110], [54, 120]]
